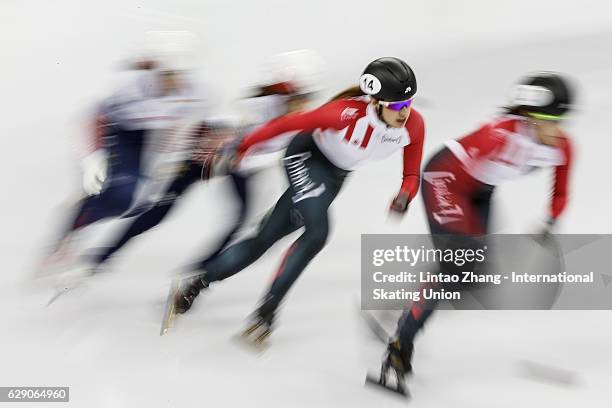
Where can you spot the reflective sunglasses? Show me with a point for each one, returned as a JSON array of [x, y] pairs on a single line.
[[397, 106], [543, 116]]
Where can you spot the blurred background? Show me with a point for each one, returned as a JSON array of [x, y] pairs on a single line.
[[59, 58]]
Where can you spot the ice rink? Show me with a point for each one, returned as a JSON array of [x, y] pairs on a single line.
[[103, 340]]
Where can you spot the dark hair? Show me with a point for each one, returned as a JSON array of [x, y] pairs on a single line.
[[352, 92], [282, 88], [514, 110], [141, 65]]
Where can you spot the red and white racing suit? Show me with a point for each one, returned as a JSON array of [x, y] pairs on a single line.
[[459, 180]]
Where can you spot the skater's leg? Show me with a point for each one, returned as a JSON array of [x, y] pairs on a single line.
[[413, 320], [314, 183], [154, 215], [125, 153], [124, 160], [239, 184], [240, 255], [312, 188], [304, 249], [482, 204], [452, 217], [112, 202]]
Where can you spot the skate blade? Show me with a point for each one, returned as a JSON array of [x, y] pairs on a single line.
[[252, 345], [61, 292], [548, 373], [56, 296], [170, 310], [374, 325], [374, 380]]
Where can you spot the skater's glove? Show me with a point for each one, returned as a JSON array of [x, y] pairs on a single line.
[[224, 162], [94, 168], [544, 235], [400, 204]]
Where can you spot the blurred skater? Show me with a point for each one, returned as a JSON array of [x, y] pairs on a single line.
[[157, 99], [459, 180], [362, 124], [290, 83]]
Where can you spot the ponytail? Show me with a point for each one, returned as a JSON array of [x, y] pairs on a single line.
[[281, 88], [352, 92], [513, 110]]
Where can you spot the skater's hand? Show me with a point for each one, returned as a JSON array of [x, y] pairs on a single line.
[[544, 235], [400, 204], [94, 168], [225, 163], [236, 160]]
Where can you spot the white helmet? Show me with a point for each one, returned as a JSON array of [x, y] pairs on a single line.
[[170, 50], [303, 70]]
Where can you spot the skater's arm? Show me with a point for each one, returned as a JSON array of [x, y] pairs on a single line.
[[413, 153], [560, 191], [484, 142], [325, 117], [94, 163], [96, 133], [129, 90]]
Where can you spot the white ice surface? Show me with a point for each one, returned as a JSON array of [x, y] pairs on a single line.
[[103, 341]]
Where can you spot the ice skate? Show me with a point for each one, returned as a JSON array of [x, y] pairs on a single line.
[[72, 279], [397, 361], [181, 296], [257, 333]]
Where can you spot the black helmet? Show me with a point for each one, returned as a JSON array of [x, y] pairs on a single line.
[[388, 79], [544, 93]]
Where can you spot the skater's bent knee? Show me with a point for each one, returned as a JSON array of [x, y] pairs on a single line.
[[119, 199], [315, 238]]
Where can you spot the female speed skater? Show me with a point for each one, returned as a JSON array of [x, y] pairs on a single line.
[[458, 183], [334, 140], [288, 86]]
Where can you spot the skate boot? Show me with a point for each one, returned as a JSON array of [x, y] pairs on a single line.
[[260, 327], [189, 288], [397, 360], [180, 298]]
